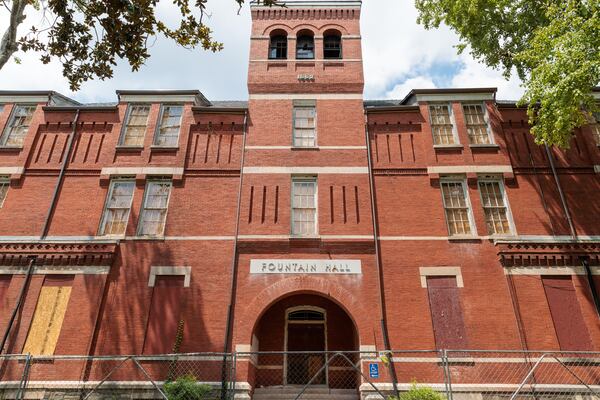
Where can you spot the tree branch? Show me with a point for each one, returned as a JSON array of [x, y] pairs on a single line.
[[8, 44]]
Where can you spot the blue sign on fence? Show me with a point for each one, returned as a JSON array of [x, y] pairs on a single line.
[[374, 370]]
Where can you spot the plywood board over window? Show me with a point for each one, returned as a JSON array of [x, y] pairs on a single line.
[[49, 315], [446, 313]]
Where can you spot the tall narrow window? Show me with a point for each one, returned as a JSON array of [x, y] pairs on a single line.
[[570, 327], [154, 209], [135, 127], [596, 127], [305, 126], [17, 127], [49, 315], [494, 206], [278, 46], [446, 313], [305, 46], [457, 207], [4, 185], [332, 45], [477, 124], [304, 206], [442, 126], [117, 207], [167, 134], [165, 314]]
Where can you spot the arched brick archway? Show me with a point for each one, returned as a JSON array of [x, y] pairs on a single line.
[[249, 316]]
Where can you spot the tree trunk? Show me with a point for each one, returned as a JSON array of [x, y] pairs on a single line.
[[8, 44]]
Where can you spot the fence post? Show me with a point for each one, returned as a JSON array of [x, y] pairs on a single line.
[[233, 374], [23, 383], [447, 378]]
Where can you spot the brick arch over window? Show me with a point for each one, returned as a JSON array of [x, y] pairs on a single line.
[[252, 313], [269, 29], [333, 27]]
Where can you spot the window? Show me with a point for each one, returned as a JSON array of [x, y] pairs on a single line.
[[278, 46], [49, 315], [135, 127], [118, 205], [446, 313], [167, 134], [596, 127], [14, 134], [304, 206], [154, 209], [304, 126], [570, 327], [4, 184], [442, 126], [494, 207], [332, 45], [458, 210], [305, 46], [477, 124], [165, 318]]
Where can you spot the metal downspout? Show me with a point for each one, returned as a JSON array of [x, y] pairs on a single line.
[[384, 329], [61, 176], [234, 263]]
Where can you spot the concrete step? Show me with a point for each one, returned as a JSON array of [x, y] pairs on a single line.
[[312, 393]]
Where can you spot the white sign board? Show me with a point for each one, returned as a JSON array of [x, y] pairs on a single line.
[[331, 267]]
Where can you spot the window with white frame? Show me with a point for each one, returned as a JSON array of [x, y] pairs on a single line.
[[154, 209], [442, 124], [304, 206], [305, 126], [495, 206], [135, 126], [457, 207], [167, 132], [117, 207], [4, 185], [596, 127], [17, 127], [477, 123]]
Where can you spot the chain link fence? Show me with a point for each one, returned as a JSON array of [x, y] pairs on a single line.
[[455, 374]]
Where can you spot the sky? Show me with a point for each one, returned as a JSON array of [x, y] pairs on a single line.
[[399, 55]]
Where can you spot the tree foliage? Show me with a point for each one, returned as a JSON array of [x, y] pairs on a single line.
[[89, 36], [552, 45]]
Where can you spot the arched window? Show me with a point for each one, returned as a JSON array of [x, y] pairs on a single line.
[[306, 315], [332, 45], [278, 45], [305, 46]]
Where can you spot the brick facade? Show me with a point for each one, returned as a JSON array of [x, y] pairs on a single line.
[[231, 202]]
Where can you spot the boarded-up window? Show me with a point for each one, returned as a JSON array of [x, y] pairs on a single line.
[[569, 325], [165, 313], [446, 313], [48, 315]]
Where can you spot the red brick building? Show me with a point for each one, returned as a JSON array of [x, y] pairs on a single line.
[[303, 219]]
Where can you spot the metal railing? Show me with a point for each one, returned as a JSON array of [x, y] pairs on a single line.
[[455, 374]]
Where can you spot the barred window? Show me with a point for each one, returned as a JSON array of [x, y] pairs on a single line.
[[332, 45], [118, 205], [154, 209], [304, 207], [494, 207], [596, 128], [305, 127], [16, 129], [456, 205], [167, 134], [442, 126], [477, 124], [135, 127], [4, 184]]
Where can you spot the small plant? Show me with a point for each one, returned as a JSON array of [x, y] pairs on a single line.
[[419, 393], [186, 387]]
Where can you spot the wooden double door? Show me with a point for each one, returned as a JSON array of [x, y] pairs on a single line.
[[306, 353]]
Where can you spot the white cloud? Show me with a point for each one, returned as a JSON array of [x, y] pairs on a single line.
[[401, 90], [398, 55]]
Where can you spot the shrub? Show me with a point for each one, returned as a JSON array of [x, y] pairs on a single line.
[[186, 387], [419, 393]]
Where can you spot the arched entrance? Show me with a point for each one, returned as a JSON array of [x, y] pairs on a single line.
[[295, 338]]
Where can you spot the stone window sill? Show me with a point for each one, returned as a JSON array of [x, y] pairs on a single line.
[[448, 146]]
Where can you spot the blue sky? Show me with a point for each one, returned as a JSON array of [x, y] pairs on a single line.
[[398, 55]]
